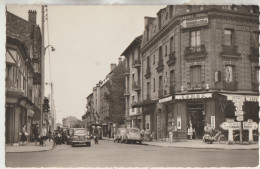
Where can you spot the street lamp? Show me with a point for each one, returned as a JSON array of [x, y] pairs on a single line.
[[42, 76]]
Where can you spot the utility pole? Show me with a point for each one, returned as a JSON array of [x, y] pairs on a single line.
[[42, 68]]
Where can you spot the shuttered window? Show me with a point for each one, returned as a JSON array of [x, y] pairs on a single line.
[[195, 73]]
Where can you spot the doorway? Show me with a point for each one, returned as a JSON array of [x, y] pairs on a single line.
[[9, 124], [197, 119]]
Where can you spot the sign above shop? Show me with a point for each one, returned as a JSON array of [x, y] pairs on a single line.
[[195, 22], [242, 98], [193, 96], [166, 99]]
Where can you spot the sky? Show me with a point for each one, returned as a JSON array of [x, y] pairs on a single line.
[[87, 40]]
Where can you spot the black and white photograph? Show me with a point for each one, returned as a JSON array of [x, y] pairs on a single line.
[[130, 85]]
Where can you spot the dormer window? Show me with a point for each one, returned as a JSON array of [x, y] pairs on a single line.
[[188, 9], [234, 7], [201, 8]]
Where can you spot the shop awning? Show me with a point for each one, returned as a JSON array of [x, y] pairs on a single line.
[[193, 96], [248, 98], [30, 113]]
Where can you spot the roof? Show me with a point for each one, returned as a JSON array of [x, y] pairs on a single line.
[[134, 43], [89, 95]]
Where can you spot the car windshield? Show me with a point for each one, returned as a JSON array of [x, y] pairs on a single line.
[[134, 130], [80, 132]]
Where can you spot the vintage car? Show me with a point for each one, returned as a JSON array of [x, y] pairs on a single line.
[[119, 134], [80, 136], [132, 135]]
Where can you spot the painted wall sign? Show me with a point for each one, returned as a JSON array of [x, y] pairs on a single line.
[[165, 99], [194, 16], [193, 96]]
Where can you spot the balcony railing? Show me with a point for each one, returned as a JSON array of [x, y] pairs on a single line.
[[160, 93], [137, 63], [172, 59], [230, 85], [229, 50], [195, 52], [172, 89], [136, 86], [160, 65], [148, 73]]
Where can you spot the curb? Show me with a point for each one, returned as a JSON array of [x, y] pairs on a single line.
[[216, 148], [52, 147]]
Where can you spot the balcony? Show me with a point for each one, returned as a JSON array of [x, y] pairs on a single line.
[[172, 89], [254, 54], [11, 89], [148, 73], [136, 86], [126, 92], [160, 93], [230, 85], [230, 52], [160, 65], [195, 52], [137, 64], [255, 86], [172, 59], [127, 72]]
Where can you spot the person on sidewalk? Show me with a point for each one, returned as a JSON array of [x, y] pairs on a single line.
[[95, 139], [43, 135], [49, 134], [24, 134], [36, 133]]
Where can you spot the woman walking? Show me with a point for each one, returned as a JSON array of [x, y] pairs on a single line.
[[24, 133]]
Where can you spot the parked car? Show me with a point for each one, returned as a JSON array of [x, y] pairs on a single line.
[[119, 134], [80, 136], [132, 135]]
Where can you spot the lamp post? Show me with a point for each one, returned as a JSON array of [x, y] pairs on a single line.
[[42, 77]]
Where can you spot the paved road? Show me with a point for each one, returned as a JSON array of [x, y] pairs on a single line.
[[109, 154]]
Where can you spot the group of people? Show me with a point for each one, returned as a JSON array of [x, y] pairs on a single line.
[[40, 135]]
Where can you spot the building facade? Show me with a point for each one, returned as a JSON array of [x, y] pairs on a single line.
[[199, 65], [69, 121], [23, 75], [133, 83]]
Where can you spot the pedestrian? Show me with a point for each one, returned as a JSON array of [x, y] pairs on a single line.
[[43, 135], [23, 135], [50, 134], [36, 133], [95, 139]]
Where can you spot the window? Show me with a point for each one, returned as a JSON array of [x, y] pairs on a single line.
[[172, 78], [153, 84], [228, 37], [160, 53], [165, 50], [229, 74], [257, 74], [148, 61], [153, 59], [195, 74], [172, 47], [255, 40], [201, 8], [148, 89], [195, 39], [160, 82], [188, 9]]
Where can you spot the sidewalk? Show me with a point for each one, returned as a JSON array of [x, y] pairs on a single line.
[[198, 144], [29, 147]]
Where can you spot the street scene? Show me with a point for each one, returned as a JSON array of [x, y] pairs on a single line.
[[132, 86]]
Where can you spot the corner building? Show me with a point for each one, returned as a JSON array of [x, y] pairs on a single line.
[[196, 62]]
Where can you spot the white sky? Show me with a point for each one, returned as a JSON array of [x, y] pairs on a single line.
[[87, 39]]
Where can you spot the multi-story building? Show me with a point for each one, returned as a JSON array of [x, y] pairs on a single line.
[[23, 75], [69, 121], [133, 83], [199, 65], [88, 117]]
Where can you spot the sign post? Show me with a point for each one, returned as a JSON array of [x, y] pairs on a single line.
[[250, 126], [230, 126], [238, 102]]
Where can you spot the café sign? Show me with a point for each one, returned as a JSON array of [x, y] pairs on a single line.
[[166, 99], [193, 96], [195, 22]]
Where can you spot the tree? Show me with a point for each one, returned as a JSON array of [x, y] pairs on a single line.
[[115, 93]]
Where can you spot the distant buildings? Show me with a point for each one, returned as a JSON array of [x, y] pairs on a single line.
[[23, 75], [70, 121]]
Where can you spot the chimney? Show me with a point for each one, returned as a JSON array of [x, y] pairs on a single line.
[[119, 60], [32, 16], [112, 66]]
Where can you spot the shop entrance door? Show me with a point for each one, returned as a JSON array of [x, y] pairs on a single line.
[[9, 124], [196, 116]]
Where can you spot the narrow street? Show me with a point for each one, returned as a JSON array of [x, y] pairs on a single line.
[[110, 154]]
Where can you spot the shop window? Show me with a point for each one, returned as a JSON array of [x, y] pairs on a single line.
[[228, 37], [195, 74], [229, 74]]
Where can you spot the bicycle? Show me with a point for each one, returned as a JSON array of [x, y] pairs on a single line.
[[245, 137], [218, 137]]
